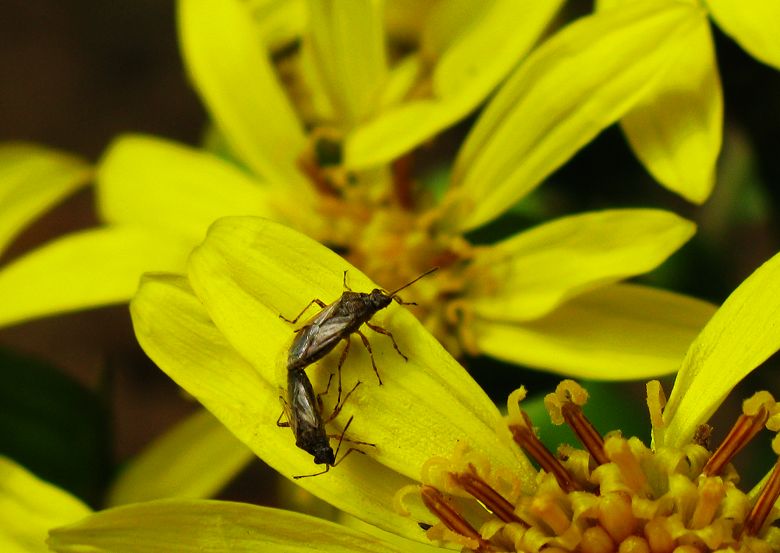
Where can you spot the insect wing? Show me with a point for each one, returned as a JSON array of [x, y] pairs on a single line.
[[318, 339], [302, 403]]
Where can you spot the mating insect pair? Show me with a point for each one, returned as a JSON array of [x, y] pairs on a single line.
[[315, 339]]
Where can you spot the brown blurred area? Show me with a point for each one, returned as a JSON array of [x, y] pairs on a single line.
[[75, 74]]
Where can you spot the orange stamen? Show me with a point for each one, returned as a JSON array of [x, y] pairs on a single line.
[[755, 520], [485, 494], [438, 505], [526, 439], [744, 430], [586, 432]]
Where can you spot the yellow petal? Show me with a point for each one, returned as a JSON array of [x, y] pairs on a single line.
[[32, 179], [84, 270], [473, 46], [225, 58], [401, 543], [195, 459], [620, 332], [29, 507], [160, 184], [577, 83], [484, 47], [214, 526], [754, 25], [395, 132], [743, 334], [251, 270], [676, 130], [349, 46], [279, 22], [530, 274], [176, 332]]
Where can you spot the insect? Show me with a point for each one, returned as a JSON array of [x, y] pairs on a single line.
[[338, 321], [304, 417]]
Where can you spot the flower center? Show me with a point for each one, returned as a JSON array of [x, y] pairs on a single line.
[[382, 223], [614, 494]]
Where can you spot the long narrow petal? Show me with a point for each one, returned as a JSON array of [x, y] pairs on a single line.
[[569, 89], [402, 543], [623, 331], [529, 275], [472, 54], [84, 270], [214, 526], [29, 507], [250, 270], [225, 58], [195, 459], [743, 333], [157, 183], [349, 45], [754, 25], [32, 179], [175, 331], [677, 129]]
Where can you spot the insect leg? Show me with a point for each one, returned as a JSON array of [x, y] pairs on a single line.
[[319, 302], [285, 409], [327, 468], [339, 406], [346, 286], [341, 438], [327, 387], [370, 354], [342, 358], [351, 449], [380, 330]]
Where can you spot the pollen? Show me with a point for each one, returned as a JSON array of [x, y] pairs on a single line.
[[614, 494]]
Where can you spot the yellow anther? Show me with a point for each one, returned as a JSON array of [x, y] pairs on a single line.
[[656, 401], [513, 406], [634, 544], [619, 452], [616, 516], [658, 536], [711, 493], [399, 497], [596, 540], [567, 392], [547, 509]]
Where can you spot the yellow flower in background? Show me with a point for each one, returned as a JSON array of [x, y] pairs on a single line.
[[33, 179], [676, 129], [548, 297], [217, 333], [29, 508]]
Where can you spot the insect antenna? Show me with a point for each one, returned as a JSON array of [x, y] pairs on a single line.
[[426, 273]]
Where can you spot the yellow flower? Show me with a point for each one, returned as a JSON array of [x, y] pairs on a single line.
[[218, 334], [549, 297], [676, 129], [29, 508], [617, 493]]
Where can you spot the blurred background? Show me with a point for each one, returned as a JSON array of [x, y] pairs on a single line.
[[79, 397]]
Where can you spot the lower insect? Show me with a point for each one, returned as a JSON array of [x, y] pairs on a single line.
[[303, 409]]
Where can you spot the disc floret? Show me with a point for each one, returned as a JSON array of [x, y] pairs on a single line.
[[613, 494]]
